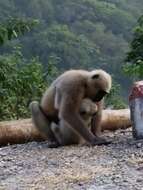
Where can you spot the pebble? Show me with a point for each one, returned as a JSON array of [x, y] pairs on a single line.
[[139, 145], [73, 167]]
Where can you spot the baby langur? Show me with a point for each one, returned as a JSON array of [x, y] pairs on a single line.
[[66, 135], [62, 101]]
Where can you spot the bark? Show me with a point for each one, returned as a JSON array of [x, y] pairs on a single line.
[[116, 119], [22, 131]]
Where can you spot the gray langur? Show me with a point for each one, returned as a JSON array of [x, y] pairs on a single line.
[[61, 104]]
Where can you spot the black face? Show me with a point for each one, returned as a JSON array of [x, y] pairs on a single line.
[[99, 95]]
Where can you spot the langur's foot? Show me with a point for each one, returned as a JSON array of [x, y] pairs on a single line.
[[100, 141]]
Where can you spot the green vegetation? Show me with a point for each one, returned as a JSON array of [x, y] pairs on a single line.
[[85, 34], [13, 27], [134, 65], [20, 81], [114, 100], [77, 33]]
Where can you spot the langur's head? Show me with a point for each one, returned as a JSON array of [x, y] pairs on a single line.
[[99, 84], [88, 108]]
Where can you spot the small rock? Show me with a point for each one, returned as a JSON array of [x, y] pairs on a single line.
[[140, 168], [139, 180], [80, 184], [139, 145]]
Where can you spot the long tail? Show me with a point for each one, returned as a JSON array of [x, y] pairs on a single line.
[[40, 121]]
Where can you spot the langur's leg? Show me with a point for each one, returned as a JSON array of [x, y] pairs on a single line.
[[65, 134], [42, 123]]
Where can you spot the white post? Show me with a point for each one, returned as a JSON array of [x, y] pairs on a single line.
[[136, 107]]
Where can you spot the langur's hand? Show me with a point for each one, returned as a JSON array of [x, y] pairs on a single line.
[[100, 141]]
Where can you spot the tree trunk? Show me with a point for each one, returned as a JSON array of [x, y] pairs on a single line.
[[22, 131]]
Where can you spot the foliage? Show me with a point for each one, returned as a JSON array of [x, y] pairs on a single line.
[[114, 99], [21, 80], [78, 33], [72, 34], [13, 27], [65, 47], [134, 60]]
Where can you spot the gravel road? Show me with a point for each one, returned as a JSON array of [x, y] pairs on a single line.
[[33, 166]]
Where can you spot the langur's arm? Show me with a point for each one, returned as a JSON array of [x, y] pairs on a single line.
[[69, 112], [96, 120]]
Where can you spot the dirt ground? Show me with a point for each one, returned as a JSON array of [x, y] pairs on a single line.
[[33, 166]]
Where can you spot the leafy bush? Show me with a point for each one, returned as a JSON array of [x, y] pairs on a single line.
[[134, 60], [114, 99], [21, 80], [14, 27]]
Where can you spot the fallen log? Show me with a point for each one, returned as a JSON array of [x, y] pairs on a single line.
[[22, 131], [116, 119], [18, 131]]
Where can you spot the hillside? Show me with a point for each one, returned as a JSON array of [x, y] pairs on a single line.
[[77, 33]]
